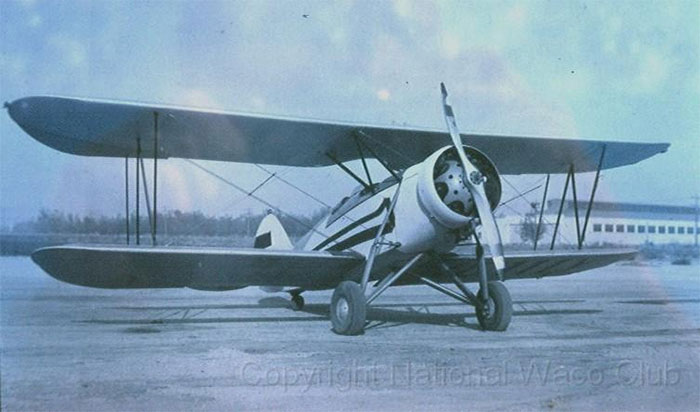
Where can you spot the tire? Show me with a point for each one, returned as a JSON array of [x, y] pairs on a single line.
[[297, 302], [501, 308], [348, 309]]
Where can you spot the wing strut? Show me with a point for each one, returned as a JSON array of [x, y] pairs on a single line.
[[539, 221], [141, 177], [155, 177], [561, 208], [126, 195], [138, 194], [369, 184], [364, 162], [590, 202], [573, 191], [571, 176], [358, 138], [145, 195], [345, 169]]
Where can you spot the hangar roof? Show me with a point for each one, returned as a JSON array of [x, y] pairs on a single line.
[[625, 210]]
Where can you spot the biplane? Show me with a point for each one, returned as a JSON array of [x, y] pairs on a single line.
[[430, 221]]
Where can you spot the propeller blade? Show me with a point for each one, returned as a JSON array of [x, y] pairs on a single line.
[[473, 179]]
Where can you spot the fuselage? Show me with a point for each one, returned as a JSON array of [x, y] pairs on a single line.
[[420, 220]]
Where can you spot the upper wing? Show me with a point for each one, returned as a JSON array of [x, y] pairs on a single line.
[[116, 267], [100, 128]]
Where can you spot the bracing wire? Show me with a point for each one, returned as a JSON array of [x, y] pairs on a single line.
[[250, 194], [309, 195], [233, 203], [522, 196]]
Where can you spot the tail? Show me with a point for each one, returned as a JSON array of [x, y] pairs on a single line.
[[271, 235]]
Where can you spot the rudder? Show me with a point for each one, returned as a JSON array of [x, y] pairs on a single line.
[[271, 235]]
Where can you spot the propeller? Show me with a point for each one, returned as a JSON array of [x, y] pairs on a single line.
[[474, 181]]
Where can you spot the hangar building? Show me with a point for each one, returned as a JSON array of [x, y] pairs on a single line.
[[610, 223]]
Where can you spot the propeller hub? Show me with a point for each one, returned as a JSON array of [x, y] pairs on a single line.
[[476, 177]]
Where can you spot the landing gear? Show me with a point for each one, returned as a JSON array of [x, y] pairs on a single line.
[[297, 301], [348, 309], [493, 304], [495, 313]]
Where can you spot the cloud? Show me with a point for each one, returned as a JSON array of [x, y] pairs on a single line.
[[12, 65], [492, 95], [383, 94], [517, 16], [71, 51], [35, 21], [198, 98], [450, 46], [694, 83], [403, 8], [575, 84], [653, 72], [176, 187]]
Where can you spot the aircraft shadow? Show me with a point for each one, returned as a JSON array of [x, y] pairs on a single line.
[[279, 302], [378, 316], [659, 301]]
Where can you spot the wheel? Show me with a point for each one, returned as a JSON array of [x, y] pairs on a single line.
[[348, 309], [297, 302], [496, 314]]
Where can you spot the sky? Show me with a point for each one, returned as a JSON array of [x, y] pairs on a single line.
[[626, 71]]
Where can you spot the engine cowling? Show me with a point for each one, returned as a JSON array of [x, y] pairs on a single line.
[[434, 203], [442, 191]]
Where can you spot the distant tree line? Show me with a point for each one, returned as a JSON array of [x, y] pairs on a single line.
[[173, 222]]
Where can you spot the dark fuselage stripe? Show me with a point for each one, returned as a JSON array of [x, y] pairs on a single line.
[[353, 225], [363, 236]]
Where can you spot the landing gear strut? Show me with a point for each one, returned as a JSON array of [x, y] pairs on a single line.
[[349, 304], [297, 300], [493, 304]]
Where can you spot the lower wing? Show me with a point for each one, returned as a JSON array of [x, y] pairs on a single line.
[[123, 267], [537, 264]]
